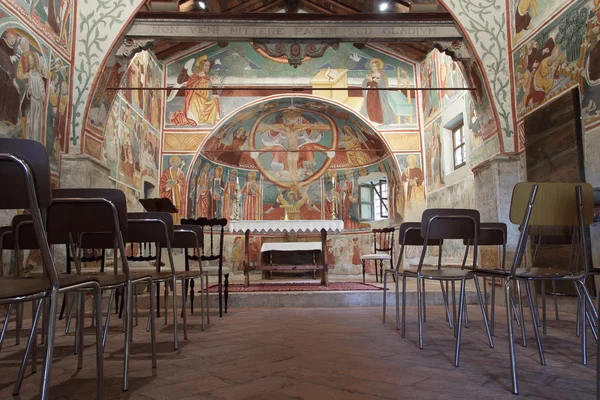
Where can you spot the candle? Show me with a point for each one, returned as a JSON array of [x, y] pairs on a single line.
[[238, 180], [333, 180]]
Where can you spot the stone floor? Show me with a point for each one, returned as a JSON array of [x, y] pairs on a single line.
[[342, 353]]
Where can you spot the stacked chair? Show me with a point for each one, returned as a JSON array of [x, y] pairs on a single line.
[[546, 205], [25, 169]]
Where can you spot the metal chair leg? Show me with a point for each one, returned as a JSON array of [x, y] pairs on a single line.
[[152, 320], [483, 311], [458, 324], [30, 342], [202, 314], [99, 345], [18, 315], [493, 306], [519, 299], [183, 307], [543, 293], [534, 320], [403, 305], [397, 288], [5, 325], [511, 340], [384, 296], [47, 369], [424, 301], [555, 300], [453, 303], [128, 296], [445, 297], [108, 314], [207, 302], [81, 327], [420, 312]]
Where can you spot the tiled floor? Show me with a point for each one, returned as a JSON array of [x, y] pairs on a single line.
[[343, 353]]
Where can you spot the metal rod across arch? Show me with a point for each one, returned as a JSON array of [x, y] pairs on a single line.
[[290, 88]]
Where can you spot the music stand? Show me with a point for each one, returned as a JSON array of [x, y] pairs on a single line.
[[160, 204]]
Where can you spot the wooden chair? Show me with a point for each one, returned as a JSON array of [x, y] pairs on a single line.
[[543, 204], [383, 250], [212, 250]]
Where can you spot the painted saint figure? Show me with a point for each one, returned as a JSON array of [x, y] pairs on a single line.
[[350, 203], [377, 106], [203, 199], [173, 186], [201, 106], [354, 147], [292, 205], [32, 71], [218, 189], [9, 106], [251, 202], [412, 177]]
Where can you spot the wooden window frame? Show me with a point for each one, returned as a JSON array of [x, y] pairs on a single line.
[[462, 146], [371, 202]]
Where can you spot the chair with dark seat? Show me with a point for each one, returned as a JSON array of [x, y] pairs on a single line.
[[543, 204], [191, 237], [24, 168], [104, 226], [212, 250], [157, 227], [441, 224], [383, 250], [409, 234]]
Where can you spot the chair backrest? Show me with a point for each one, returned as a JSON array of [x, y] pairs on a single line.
[[25, 177], [551, 201], [187, 237], [490, 234], [77, 211], [212, 249], [409, 234], [449, 223], [13, 178], [150, 227], [545, 204], [383, 240]]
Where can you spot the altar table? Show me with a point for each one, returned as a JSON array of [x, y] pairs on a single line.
[[322, 227]]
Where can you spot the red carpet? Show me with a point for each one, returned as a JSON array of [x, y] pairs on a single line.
[[297, 287]]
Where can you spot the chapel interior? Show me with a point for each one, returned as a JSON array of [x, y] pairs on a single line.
[[309, 199]]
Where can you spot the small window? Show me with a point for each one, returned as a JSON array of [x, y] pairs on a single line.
[[459, 145], [366, 203], [374, 200]]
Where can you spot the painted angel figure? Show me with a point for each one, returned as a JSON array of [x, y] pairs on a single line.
[[201, 106]]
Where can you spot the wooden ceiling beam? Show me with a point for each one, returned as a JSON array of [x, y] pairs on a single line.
[[173, 50], [213, 6], [340, 6], [370, 6], [275, 5], [314, 7], [244, 6], [291, 6]]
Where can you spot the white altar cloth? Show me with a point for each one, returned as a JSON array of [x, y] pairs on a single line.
[[281, 226], [291, 246]]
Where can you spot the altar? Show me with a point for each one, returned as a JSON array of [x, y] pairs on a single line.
[[290, 229]]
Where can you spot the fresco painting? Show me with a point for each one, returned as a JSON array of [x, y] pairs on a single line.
[[34, 82], [429, 79], [528, 15], [210, 71], [433, 151], [450, 77], [558, 58], [412, 181], [52, 18], [103, 98]]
